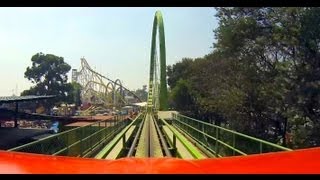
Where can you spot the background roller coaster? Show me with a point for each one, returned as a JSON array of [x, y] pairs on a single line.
[[98, 90]]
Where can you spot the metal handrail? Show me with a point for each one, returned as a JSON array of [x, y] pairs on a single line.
[[195, 154], [216, 139], [177, 117], [89, 138]]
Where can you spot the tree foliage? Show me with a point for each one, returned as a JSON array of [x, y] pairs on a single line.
[[75, 94], [262, 77], [49, 74]]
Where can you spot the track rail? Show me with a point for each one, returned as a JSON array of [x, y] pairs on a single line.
[[162, 140], [135, 140], [151, 140]]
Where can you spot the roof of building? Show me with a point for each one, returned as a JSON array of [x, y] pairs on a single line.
[[9, 99]]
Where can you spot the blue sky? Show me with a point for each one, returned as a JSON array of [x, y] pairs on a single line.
[[114, 41]]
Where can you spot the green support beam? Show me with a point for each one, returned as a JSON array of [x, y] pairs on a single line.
[[163, 98]]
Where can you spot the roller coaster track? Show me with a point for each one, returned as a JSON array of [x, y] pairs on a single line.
[[157, 96], [149, 140], [149, 135], [97, 88]]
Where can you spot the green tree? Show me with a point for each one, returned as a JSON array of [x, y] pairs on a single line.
[[181, 96], [75, 93], [262, 76], [277, 51], [178, 70], [49, 74]]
